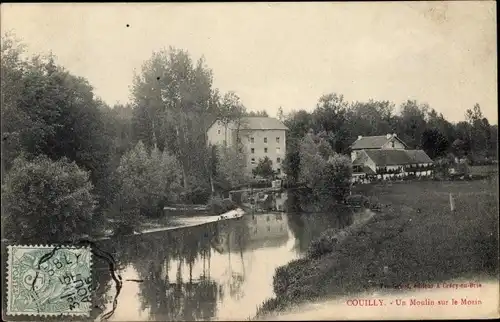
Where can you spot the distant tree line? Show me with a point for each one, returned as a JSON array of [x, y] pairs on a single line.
[[339, 123]]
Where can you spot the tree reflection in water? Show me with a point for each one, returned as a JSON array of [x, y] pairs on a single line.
[[152, 255], [308, 225]]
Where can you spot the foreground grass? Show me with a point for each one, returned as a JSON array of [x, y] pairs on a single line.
[[416, 239]]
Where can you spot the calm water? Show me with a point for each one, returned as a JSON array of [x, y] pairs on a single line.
[[217, 271]]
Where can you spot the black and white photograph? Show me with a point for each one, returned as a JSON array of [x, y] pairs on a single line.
[[249, 161]]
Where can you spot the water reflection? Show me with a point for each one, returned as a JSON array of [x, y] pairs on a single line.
[[221, 270]]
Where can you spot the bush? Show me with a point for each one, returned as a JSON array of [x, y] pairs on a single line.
[[220, 206], [47, 201], [324, 244]]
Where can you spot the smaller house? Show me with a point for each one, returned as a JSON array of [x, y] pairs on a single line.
[[387, 156]]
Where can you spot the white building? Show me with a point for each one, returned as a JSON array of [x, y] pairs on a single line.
[[260, 137]]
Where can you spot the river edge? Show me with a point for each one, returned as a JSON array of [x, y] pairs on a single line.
[[188, 222], [416, 238]]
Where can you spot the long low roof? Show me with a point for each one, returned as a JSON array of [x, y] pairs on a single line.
[[373, 142], [398, 157], [260, 123]]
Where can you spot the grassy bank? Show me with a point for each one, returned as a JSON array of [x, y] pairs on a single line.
[[415, 239]]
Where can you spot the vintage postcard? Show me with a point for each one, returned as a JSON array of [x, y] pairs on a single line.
[[249, 161]]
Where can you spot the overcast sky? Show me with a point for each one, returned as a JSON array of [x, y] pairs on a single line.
[[285, 54]]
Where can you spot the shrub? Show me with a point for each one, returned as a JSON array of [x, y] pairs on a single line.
[[220, 206], [47, 201], [324, 244]]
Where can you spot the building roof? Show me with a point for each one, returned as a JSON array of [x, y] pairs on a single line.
[[260, 123], [397, 157], [419, 156], [372, 142]]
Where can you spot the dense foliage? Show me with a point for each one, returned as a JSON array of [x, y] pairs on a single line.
[[45, 200], [153, 150], [264, 169]]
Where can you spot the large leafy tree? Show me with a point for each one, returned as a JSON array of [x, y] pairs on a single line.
[[329, 118], [46, 201], [147, 181], [46, 110], [174, 103], [412, 122], [229, 167], [325, 172], [434, 143]]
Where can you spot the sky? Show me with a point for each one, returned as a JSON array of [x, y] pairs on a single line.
[[282, 54]]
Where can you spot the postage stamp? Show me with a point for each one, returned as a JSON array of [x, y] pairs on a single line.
[[49, 280]]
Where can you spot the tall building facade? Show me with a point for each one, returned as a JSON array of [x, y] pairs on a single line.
[[260, 137]]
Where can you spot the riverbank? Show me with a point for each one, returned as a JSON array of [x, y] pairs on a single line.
[[416, 239], [183, 222]]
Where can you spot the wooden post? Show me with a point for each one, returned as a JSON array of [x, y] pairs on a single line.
[[452, 203]]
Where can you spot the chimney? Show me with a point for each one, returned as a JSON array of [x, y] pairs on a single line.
[[360, 137], [394, 135], [388, 136]]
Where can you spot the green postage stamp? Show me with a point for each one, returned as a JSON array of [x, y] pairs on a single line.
[[49, 280]]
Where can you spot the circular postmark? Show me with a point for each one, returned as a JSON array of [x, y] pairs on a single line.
[[51, 281]]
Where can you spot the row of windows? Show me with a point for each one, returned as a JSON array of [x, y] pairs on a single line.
[[278, 160], [252, 140], [278, 150]]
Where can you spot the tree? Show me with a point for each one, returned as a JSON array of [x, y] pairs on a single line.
[[370, 118], [325, 172], [411, 123], [264, 169], [291, 164], [147, 181], [52, 112], [337, 176], [330, 118], [231, 111], [174, 103], [230, 167], [434, 143], [262, 113], [47, 201]]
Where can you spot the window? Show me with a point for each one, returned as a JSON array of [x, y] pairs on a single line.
[[252, 150], [278, 160], [265, 140], [265, 150], [392, 144], [268, 228], [253, 160], [277, 139], [252, 140], [278, 150], [279, 170], [218, 131]]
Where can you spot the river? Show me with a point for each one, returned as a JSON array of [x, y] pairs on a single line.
[[217, 271]]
